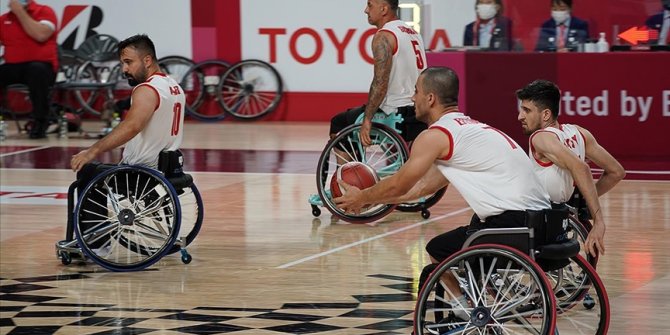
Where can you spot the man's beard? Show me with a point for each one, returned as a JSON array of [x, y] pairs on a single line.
[[134, 82]]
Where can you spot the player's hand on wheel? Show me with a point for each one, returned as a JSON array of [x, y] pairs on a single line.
[[366, 126], [595, 241], [80, 159]]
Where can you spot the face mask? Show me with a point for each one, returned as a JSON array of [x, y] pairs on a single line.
[[560, 16], [23, 2], [486, 12]]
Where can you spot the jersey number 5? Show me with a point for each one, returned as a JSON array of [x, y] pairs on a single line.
[[419, 57], [176, 117]]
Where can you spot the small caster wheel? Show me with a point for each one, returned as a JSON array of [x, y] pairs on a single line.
[[589, 303], [65, 258], [185, 257], [425, 214], [316, 211]]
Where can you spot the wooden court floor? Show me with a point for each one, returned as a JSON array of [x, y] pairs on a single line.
[[262, 264]]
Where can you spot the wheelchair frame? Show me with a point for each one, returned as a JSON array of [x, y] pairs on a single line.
[[561, 292], [392, 149], [145, 222]]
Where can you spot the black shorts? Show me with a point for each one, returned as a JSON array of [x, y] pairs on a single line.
[[409, 129], [447, 244]]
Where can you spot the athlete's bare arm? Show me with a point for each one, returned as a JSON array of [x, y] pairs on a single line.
[[36, 30], [428, 146], [548, 147], [144, 104], [383, 45], [613, 171]]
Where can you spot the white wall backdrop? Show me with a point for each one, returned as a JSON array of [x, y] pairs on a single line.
[[167, 22], [271, 29]]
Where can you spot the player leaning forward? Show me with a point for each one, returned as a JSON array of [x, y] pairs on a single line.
[[490, 170]]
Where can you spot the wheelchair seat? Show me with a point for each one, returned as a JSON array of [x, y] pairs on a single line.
[[171, 164], [544, 238]]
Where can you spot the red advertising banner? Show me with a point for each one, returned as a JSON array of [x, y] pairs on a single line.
[[622, 98]]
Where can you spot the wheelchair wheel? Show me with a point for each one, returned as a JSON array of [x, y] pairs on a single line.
[[93, 85], [581, 298], [423, 204], [250, 89], [200, 84], [508, 293], [127, 218], [192, 213], [386, 154], [17, 100], [175, 66]]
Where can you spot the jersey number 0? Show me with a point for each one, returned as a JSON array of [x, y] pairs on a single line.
[[176, 117]]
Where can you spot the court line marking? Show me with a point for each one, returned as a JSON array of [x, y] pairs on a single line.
[[347, 246], [25, 150]]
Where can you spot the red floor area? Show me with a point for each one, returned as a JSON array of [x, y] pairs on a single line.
[[257, 161]]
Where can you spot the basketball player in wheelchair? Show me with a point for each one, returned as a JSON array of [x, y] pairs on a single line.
[[135, 204], [559, 153], [470, 286], [379, 132]]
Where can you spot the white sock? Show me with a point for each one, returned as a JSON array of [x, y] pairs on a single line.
[[459, 304]]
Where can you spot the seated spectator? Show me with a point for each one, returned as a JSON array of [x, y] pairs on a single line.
[[490, 29], [563, 32], [661, 23], [28, 34]]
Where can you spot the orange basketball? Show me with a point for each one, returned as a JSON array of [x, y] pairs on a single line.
[[353, 173]]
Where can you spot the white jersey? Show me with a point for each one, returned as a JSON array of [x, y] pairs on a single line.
[[409, 59], [165, 128], [558, 181], [489, 169]]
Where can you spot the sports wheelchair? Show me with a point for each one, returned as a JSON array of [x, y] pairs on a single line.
[[386, 155], [536, 282], [128, 217]]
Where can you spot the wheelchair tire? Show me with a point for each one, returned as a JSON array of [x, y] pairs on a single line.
[[250, 89], [93, 86], [200, 84], [127, 218], [507, 290], [192, 214], [175, 66], [387, 153], [581, 299]]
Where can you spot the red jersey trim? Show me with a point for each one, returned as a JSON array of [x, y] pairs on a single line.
[[155, 91], [583, 139], [532, 149], [451, 141], [160, 74], [395, 49]]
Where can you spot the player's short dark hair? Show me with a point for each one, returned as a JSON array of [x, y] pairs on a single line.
[[443, 82], [141, 42], [544, 94], [567, 2], [393, 3]]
